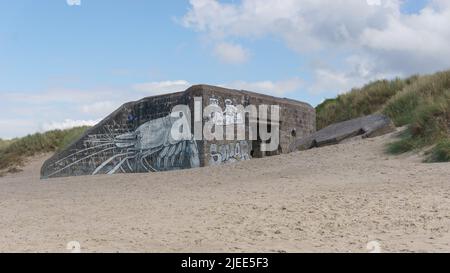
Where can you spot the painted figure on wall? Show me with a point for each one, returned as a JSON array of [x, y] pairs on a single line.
[[149, 148], [229, 116]]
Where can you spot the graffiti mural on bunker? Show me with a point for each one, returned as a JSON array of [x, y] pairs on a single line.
[[229, 116], [137, 137], [149, 148], [231, 152]]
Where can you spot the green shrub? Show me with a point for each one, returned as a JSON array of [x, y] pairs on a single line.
[[405, 144]]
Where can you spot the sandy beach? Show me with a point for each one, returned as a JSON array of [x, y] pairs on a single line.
[[332, 199]]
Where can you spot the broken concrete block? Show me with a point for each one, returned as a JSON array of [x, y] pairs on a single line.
[[367, 127]]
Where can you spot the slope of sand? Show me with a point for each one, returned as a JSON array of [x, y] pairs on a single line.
[[336, 199]]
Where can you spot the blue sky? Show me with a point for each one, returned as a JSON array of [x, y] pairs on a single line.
[[63, 65]]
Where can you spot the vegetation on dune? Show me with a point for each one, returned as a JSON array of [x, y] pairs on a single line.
[[441, 152], [360, 101], [419, 99], [4, 143], [13, 153], [421, 102], [425, 107]]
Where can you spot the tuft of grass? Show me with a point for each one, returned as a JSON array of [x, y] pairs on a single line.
[[401, 108], [15, 152], [400, 146], [405, 144], [440, 153]]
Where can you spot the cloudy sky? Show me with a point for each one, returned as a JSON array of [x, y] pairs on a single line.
[[64, 63]]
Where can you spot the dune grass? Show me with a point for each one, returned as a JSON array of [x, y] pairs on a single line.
[[360, 101], [425, 107], [13, 153], [5, 143], [421, 102], [418, 99], [441, 152]]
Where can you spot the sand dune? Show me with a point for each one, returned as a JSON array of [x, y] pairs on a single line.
[[333, 199]]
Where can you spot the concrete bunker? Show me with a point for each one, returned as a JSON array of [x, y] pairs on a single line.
[[136, 137]]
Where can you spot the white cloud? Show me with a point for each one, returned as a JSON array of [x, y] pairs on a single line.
[[326, 80], [157, 88], [231, 53], [73, 2], [358, 70], [303, 24], [412, 43], [68, 108], [67, 124], [101, 108], [64, 95], [11, 128], [62, 108], [279, 88], [375, 33], [373, 2]]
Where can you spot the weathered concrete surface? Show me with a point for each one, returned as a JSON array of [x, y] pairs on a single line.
[[367, 127], [136, 137]]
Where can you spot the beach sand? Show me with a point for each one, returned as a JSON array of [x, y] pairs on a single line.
[[332, 199]]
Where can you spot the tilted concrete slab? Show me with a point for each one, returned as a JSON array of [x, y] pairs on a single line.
[[368, 126]]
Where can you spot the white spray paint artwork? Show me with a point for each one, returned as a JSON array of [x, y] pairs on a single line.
[[229, 116], [149, 148], [228, 153]]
